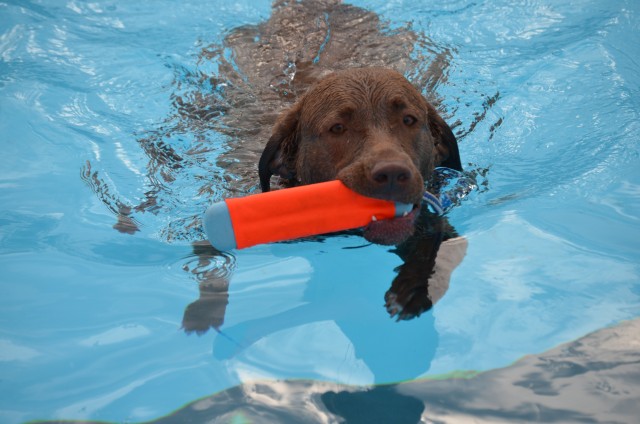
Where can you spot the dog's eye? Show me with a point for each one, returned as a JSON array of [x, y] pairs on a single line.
[[409, 120], [338, 129]]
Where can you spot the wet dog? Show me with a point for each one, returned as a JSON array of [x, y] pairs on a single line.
[[317, 92], [337, 117]]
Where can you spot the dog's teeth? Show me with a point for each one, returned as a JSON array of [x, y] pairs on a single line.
[[373, 218]]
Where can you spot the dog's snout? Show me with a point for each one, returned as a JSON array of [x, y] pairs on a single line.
[[390, 174]]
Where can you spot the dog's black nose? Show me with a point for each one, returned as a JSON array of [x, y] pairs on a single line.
[[390, 175]]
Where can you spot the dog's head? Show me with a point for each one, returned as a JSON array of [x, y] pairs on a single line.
[[369, 128]]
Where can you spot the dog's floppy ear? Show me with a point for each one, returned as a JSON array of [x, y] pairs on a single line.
[[278, 156], [447, 153]]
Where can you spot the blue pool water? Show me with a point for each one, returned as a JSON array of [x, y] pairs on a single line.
[[544, 96]]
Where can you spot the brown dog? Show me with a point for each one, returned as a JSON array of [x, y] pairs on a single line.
[[373, 130], [330, 75], [366, 126]]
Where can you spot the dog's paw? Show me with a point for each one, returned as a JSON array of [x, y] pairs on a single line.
[[204, 313], [408, 304]]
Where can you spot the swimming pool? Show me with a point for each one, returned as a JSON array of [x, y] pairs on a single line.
[[545, 96]]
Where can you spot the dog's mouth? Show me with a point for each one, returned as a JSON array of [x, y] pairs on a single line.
[[392, 231]]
